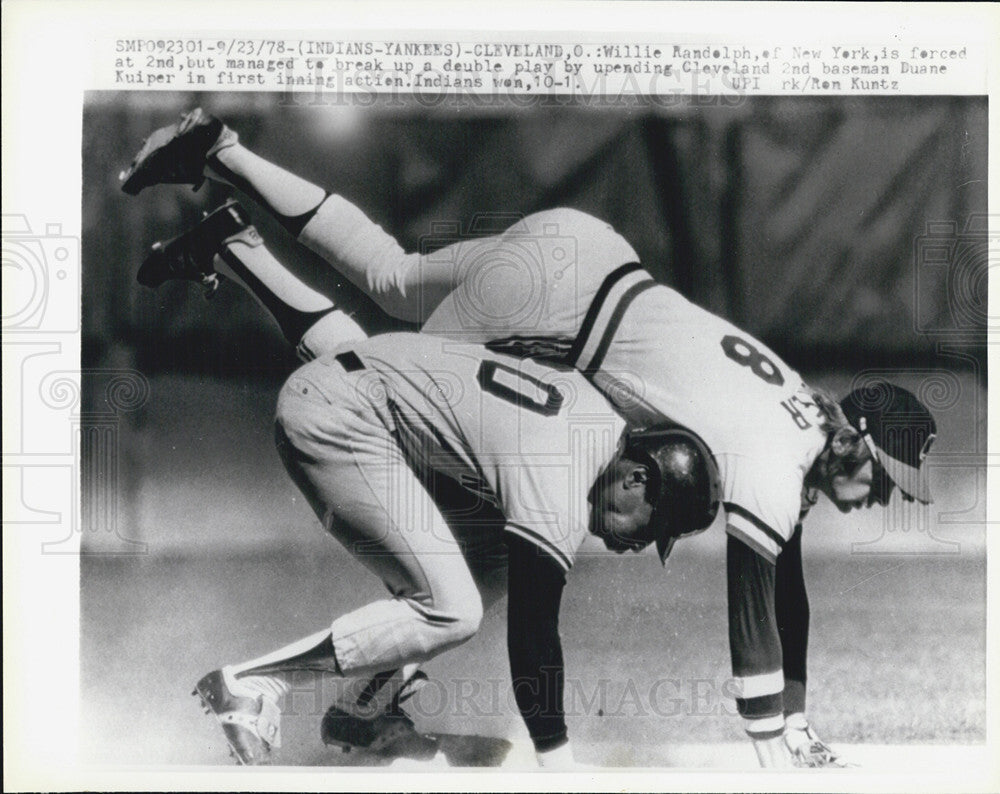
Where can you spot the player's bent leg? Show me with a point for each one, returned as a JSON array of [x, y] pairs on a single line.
[[225, 245], [354, 475], [352, 471], [368, 713], [200, 146]]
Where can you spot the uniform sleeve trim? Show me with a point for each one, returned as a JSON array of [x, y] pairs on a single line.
[[539, 348], [760, 545], [732, 507], [765, 725], [543, 543], [753, 686], [763, 706]]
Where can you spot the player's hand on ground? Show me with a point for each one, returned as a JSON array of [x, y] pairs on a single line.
[[807, 749], [774, 753]]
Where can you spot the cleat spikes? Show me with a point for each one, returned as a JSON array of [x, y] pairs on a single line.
[[176, 154], [190, 256], [244, 719]]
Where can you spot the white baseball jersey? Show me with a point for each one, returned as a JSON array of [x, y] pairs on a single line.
[[671, 357], [564, 286], [530, 437], [578, 298]]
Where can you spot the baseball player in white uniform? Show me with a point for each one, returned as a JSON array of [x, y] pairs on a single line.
[[562, 286]]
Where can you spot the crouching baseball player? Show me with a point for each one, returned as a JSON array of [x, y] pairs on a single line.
[[359, 428], [562, 286]]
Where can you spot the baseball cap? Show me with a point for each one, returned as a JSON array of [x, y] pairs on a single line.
[[898, 431]]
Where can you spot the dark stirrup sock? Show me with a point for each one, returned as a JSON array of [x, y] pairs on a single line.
[[292, 321], [293, 224]]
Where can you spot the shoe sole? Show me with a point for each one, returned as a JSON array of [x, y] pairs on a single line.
[[203, 699], [150, 273], [155, 151], [389, 732]]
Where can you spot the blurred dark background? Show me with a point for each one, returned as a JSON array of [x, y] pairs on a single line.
[[802, 220]]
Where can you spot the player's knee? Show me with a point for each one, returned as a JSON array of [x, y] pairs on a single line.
[[467, 619], [460, 618]]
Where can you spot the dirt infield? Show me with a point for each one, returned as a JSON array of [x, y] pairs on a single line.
[[646, 654]]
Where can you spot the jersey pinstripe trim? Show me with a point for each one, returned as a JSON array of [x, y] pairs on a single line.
[[745, 526], [604, 314], [542, 542]]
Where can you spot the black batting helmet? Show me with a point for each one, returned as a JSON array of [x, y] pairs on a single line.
[[684, 482]]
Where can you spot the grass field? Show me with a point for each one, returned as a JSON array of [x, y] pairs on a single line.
[[237, 565]]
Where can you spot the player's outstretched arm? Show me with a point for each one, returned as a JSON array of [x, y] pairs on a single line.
[[791, 603], [792, 610], [535, 584], [755, 647]]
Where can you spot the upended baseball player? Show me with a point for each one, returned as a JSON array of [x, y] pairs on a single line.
[[563, 287]]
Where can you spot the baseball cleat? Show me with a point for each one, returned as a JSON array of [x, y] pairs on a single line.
[[250, 722], [176, 154], [389, 729], [189, 256], [809, 751]]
